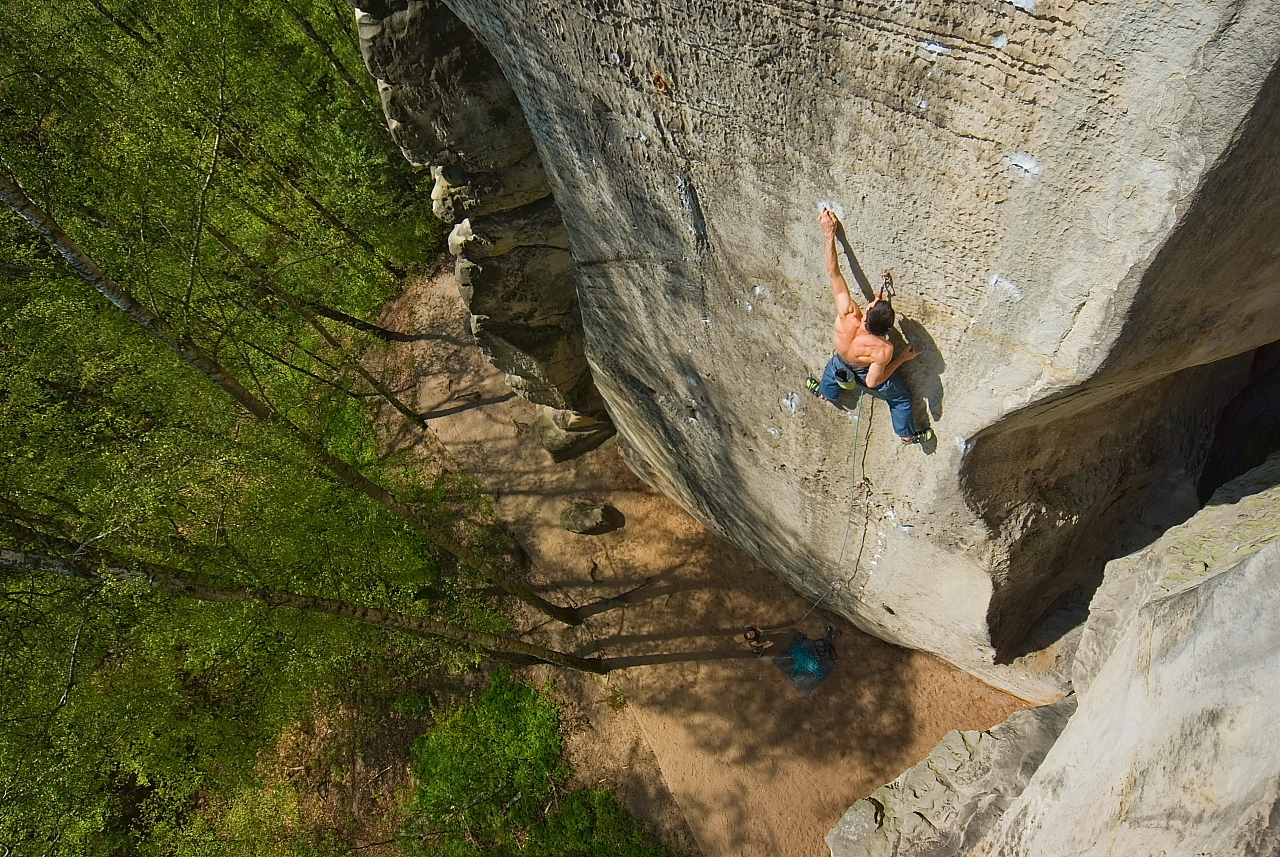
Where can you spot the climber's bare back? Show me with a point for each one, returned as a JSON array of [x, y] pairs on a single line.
[[855, 344]]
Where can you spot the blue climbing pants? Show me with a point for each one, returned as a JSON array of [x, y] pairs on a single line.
[[894, 391]]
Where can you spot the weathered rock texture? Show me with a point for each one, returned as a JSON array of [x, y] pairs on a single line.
[[944, 805], [1078, 201], [1241, 517], [450, 110], [1173, 749]]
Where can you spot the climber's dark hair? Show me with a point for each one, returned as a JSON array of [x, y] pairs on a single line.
[[880, 318]]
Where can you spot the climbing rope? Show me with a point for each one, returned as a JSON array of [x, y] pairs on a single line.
[[857, 485]]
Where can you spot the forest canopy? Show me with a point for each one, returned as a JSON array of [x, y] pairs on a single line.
[[228, 165]]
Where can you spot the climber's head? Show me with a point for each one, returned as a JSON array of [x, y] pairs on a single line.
[[879, 320]]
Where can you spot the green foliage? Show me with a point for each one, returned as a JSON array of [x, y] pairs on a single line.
[[590, 823], [146, 126], [412, 703], [488, 767], [490, 783], [132, 720], [107, 441], [252, 822]]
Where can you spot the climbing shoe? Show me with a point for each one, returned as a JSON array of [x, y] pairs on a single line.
[[919, 437], [811, 385]]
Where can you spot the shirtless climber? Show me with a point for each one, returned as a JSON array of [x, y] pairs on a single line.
[[864, 356]]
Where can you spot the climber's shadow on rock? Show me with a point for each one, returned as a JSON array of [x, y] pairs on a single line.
[[924, 374], [855, 268]]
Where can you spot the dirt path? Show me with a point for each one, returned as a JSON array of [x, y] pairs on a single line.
[[706, 731]]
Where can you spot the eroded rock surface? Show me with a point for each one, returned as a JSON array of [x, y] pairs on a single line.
[[451, 111], [1077, 201], [1170, 750], [947, 803], [1173, 747], [1240, 518]]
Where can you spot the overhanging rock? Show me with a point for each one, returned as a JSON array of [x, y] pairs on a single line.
[[1078, 204], [1173, 748], [451, 111]]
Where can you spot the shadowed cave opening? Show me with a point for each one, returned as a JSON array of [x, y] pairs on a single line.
[[1249, 428], [1246, 431]]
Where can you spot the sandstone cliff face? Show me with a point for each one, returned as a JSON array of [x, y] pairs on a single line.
[[1170, 749], [1077, 201], [943, 806], [451, 111]]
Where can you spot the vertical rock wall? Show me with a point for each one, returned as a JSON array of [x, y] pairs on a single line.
[[1077, 202], [451, 111], [1172, 749], [944, 806]]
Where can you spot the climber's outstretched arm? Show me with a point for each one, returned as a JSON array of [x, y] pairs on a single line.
[[845, 304]]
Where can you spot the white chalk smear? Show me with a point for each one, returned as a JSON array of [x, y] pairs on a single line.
[[922, 104], [1025, 5], [774, 431], [833, 205], [1002, 285], [934, 49], [963, 444], [1027, 163], [791, 403], [999, 40]]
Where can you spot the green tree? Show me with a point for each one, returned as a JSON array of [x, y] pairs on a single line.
[[491, 783], [258, 406], [222, 161]]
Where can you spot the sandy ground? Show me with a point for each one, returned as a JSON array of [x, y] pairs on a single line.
[[703, 740]]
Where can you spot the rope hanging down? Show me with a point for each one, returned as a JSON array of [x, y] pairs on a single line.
[[857, 485]]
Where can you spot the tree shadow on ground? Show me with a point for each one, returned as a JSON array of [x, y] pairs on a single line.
[[861, 713], [478, 402]]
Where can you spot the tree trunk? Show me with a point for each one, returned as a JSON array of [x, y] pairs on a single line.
[[244, 141], [320, 43], [121, 25], [88, 270], [266, 287], [333, 220], [173, 580], [360, 324]]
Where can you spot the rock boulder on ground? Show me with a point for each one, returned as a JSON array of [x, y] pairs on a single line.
[[944, 805], [583, 518]]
